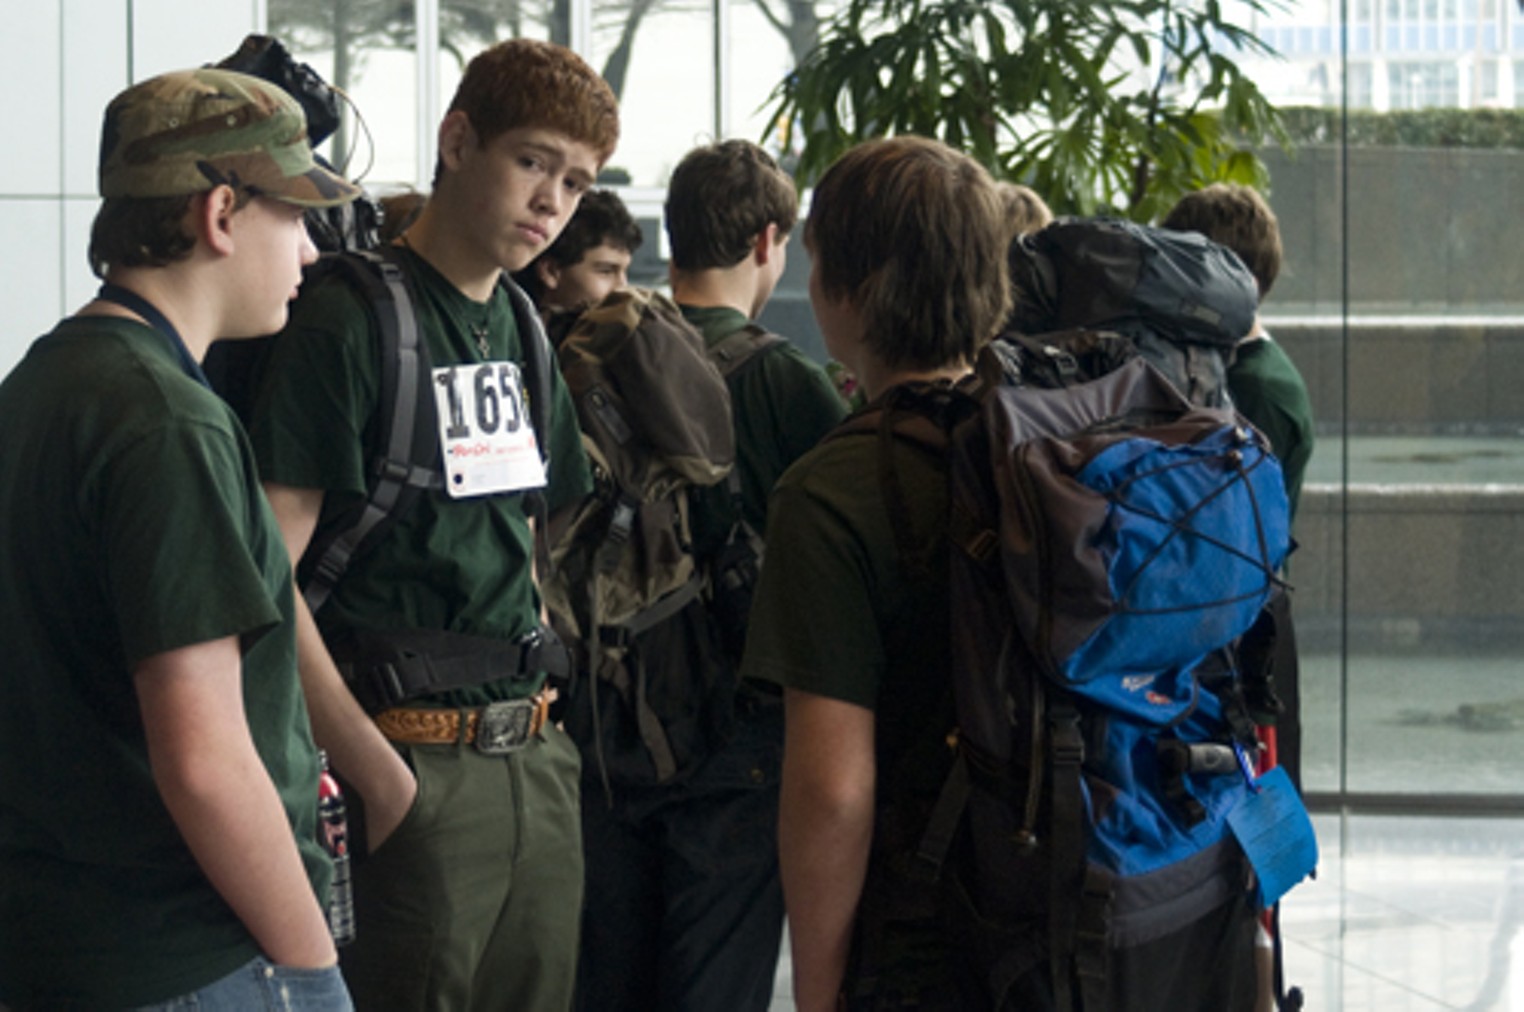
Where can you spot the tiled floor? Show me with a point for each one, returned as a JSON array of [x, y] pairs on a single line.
[[1410, 914], [1406, 915]]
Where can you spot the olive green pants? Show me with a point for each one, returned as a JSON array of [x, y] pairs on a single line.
[[473, 903]]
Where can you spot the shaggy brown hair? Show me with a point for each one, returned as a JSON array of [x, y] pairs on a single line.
[[913, 234]]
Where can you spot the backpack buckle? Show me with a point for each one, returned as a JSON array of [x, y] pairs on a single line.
[[1068, 745]]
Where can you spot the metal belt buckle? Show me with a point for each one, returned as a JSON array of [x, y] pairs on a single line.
[[504, 727]]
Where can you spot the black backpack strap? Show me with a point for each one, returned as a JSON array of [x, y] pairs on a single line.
[[407, 460], [735, 565], [386, 667], [539, 386], [539, 375], [1066, 845], [733, 354]]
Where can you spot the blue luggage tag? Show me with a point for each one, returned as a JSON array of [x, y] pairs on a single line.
[[1273, 828]]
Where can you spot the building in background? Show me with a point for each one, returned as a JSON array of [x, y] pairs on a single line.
[[1402, 54]]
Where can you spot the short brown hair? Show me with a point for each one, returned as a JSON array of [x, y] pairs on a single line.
[[1235, 216], [721, 197], [913, 235], [146, 231], [528, 83]]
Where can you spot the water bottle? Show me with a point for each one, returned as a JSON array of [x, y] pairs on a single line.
[[334, 834]]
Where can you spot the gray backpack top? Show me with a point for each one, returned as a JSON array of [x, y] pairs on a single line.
[[1182, 300]]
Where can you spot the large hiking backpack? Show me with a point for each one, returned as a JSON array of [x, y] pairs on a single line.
[[1183, 300], [649, 620], [1109, 541]]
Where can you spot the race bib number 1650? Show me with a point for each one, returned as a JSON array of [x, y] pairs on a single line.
[[489, 445]]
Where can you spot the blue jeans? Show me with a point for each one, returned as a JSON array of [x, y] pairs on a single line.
[[261, 986]]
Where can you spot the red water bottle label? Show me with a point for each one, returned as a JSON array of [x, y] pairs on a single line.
[[333, 831]]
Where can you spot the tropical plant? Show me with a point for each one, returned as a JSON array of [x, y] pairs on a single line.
[[1117, 106]]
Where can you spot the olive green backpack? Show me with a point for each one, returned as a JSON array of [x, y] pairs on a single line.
[[627, 592]]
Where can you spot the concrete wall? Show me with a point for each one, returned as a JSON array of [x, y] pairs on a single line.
[[1429, 229], [1441, 376], [1435, 566]]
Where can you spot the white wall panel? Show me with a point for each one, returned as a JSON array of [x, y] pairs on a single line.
[[29, 77], [79, 284], [94, 70], [175, 34], [30, 297]]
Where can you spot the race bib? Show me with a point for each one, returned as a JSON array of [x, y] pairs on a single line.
[[484, 430]]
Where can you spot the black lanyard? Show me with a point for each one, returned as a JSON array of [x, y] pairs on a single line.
[[128, 299]]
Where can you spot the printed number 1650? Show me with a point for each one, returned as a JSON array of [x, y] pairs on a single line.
[[491, 396]]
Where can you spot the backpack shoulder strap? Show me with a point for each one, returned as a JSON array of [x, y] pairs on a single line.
[[925, 415], [732, 356], [736, 352], [406, 458], [538, 375]]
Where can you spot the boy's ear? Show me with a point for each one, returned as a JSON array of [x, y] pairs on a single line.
[[455, 133], [549, 273], [213, 218], [766, 245]]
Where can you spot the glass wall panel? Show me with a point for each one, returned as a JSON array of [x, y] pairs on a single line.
[[30, 298], [175, 34], [79, 284], [768, 38], [34, 44], [95, 67], [659, 59], [365, 48], [1401, 303]]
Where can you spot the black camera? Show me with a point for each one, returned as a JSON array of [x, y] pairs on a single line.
[[355, 225], [263, 56]]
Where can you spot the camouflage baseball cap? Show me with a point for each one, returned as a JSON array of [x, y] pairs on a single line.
[[188, 131]]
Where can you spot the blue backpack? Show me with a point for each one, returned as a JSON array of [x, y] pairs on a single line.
[[1109, 543]]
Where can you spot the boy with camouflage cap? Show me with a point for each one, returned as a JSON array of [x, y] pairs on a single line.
[[158, 777], [468, 891]]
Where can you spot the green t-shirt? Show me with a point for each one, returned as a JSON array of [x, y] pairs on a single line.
[[839, 613], [782, 403], [458, 565], [134, 525], [1268, 389]]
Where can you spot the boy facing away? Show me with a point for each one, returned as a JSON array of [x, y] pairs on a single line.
[[907, 241], [684, 909], [158, 777], [1263, 381], [468, 890]]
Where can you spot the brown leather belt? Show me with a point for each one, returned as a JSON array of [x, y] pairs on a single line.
[[495, 729]]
